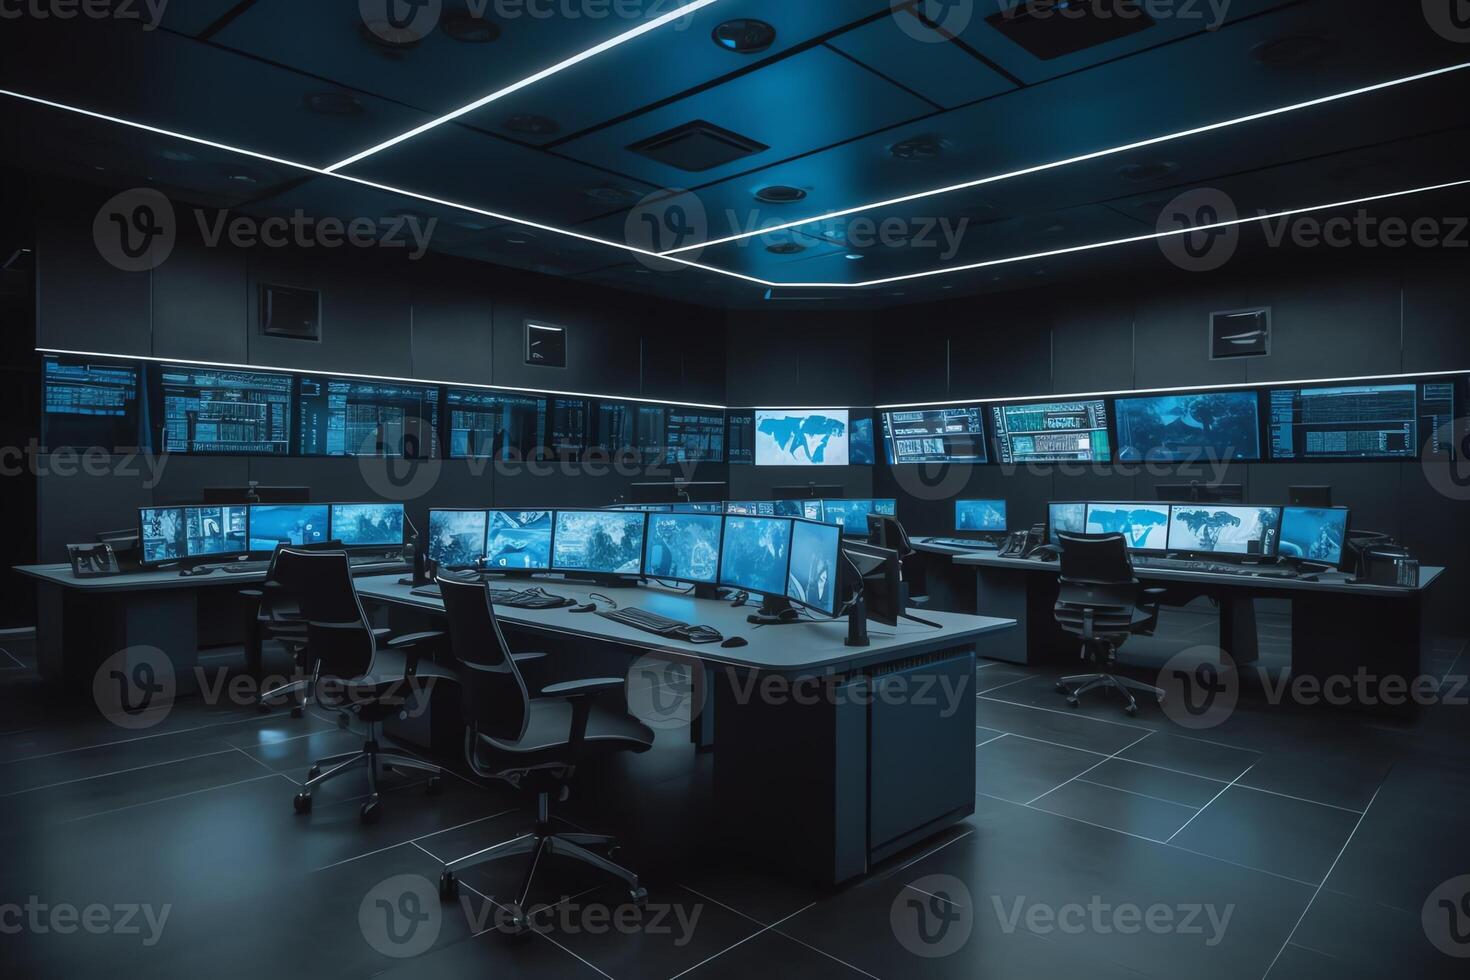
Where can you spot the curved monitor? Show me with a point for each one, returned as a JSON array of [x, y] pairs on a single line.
[[1224, 530], [683, 547], [295, 524], [456, 538], [601, 542], [1146, 526], [518, 540], [812, 575], [755, 555]]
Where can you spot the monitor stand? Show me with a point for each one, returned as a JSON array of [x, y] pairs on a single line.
[[857, 623], [707, 591], [775, 610]]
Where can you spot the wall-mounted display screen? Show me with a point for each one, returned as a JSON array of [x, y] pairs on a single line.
[[936, 435], [802, 437], [1220, 529], [222, 411], [1052, 432], [630, 427], [356, 417], [566, 426], [1395, 420], [89, 403], [1146, 526], [1222, 425], [695, 436], [494, 425], [740, 437], [860, 448]]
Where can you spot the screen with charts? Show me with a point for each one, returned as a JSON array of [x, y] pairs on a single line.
[[802, 437], [630, 427], [368, 525], [456, 537], [89, 403], [695, 436], [1146, 526], [566, 427], [683, 547], [605, 542], [519, 540], [357, 417], [979, 515], [1052, 432], [1376, 421], [277, 524], [860, 448], [1195, 426], [221, 410], [1068, 517], [953, 434], [740, 437], [1314, 534], [494, 425], [755, 552], [812, 578], [1218, 529]]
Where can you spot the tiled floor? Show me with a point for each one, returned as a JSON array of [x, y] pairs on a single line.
[[1282, 844]]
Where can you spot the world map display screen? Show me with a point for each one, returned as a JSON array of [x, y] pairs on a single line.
[[802, 437]]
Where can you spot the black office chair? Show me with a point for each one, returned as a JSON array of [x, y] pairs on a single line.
[[1101, 602], [274, 613], [352, 672], [533, 742]]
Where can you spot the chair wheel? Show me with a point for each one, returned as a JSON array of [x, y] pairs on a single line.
[[302, 803], [519, 922], [313, 772], [448, 886], [369, 811], [1061, 688], [298, 712], [435, 785], [1131, 710], [1072, 702], [639, 897]]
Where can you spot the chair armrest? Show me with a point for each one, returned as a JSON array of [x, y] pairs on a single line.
[[581, 688], [523, 657], [252, 594], [414, 639]]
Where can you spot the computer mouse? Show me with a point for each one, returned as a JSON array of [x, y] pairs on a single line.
[[736, 641], [585, 607]]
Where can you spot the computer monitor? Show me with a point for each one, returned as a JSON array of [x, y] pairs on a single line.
[[1224, 530], [694, 435], [222, 411], [598, 542], [1052, 432], [704, 507], [368, 525], [494, 424], [740, 438], [360, 417], [518, 540], [1146, 526], [1068, 517], [814, 572], [879, 573], [851, 515], [456, 538], [1204, 425], [810, 510], [173, 533], [980, 515], [272, 525], [802, 437], [761, 508], [1394, 420], [755, 554], [1315, 534], [954, 434], [630, 427], [89, 403], [683, 547], [861, 450], [642, 508]]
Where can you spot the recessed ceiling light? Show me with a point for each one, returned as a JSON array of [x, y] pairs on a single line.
[[925, 147], [465, 26], [852, 257], [1294, 51], [532, 124], [1138, 173], [744, 36], [607, 194], [780, 194], [785, 248], [333, 103]]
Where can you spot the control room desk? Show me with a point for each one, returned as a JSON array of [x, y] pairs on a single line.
[[827, 758], [1337, 627]]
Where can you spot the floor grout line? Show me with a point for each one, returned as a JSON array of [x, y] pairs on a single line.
[[1206, 806], [536, 931], [115, 772], [129, 741], [1302, 918], [1094, 766], [19, 663], [785, 935], [415, 840], [176, 796], [1142, 796], [742, 942], [1070, 714], [989, 740], [1020, 680]]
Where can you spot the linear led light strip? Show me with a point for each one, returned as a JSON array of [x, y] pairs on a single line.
[[1096, 154], [308, 168], [184, 362], [1130, 392]]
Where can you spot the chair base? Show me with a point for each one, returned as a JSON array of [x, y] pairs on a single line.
[[1074, 687], [376, 760]]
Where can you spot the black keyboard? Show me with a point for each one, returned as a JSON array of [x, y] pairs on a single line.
[[510, 598], [648, 622], [240, 567], [965, 543], [1215, 567]]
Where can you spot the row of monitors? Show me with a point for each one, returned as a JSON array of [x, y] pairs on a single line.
[[777, 556], [850, 514], [168, 534], [1299, 533], [1396, 419], [232, 411]]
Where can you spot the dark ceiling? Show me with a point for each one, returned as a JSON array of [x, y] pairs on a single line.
[[853, 102]]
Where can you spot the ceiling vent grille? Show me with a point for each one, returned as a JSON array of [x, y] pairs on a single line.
[[697, 146], [1050, 29]]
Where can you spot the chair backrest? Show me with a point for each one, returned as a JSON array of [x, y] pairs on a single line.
[[338, 632], [496, 701], [1096, 582]]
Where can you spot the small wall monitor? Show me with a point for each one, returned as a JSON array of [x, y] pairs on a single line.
[[740, 438], [1394, 420], [272, 525], [1314, 534], [755, 555], [89, 403], [1146, 526], [358, 417], [1224, 530], [802, 437], [953, 434], [456, 538], [1222, 425], [1052, 432], [684, 547], [518, 540], [494, 425], [600, 542], [812, 577], [861, 450], [171, 533], [1068, 517], [222, 411], [980, 515], [368, 525]]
